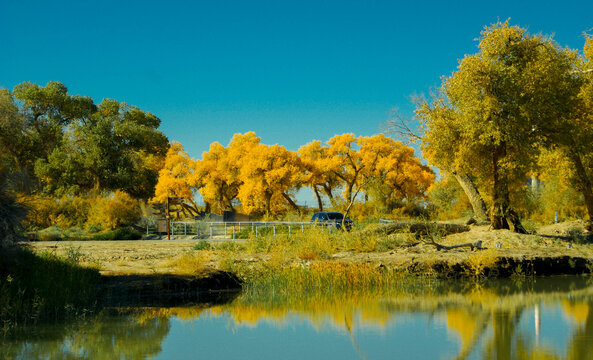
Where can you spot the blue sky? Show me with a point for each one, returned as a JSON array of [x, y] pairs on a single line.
[[290, 71]]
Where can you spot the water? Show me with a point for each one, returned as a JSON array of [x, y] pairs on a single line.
[[529, 319]]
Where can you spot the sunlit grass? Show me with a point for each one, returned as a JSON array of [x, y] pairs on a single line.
[[189, 263]]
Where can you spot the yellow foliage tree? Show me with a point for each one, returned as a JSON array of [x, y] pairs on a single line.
[[393, 169], [115, 211], [376, 165], [269, 175], [317, 173], [176, 178], [494, 111], [345, 162], [218, 173]]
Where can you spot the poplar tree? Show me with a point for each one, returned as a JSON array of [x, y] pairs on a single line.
[[496, 109]]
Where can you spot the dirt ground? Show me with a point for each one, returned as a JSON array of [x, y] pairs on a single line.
[[120, 257], [157, 256]]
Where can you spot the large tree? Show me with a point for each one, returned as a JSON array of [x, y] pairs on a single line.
[[572, 134], [489, 116], [270, 174], [57, 143], [318, 172], [118, 147], [218, 173], [376, 165]]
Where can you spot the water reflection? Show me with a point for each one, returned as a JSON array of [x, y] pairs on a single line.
[[543, 319], [110, 335]]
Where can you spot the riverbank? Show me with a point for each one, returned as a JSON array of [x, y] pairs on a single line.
[[559, 249]]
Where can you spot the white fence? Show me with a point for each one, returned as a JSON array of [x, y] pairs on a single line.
[[239, 229]]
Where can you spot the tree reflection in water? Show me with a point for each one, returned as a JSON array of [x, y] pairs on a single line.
[[490, 320], [109, 335]]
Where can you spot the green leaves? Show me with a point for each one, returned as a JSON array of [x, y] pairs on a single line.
[[71, 146]]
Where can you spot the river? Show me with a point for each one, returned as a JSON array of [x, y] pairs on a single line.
[[547, 318]]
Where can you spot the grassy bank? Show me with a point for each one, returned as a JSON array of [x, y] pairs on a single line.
[[43, 286], [375, 256]]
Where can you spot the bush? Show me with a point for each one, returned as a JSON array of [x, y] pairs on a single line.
[[111, 213], [230, 246], [52, 233], [66, 212], [202, 245], [119, 234]]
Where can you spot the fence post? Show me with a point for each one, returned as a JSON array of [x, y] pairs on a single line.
[[225, 230], [274, 227], [184, 228], [302, 228], [233, 231], [210, 230], [288, 230], [147, 228], [255, 230]]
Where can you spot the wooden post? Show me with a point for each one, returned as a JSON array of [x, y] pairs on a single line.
[[168, 221]]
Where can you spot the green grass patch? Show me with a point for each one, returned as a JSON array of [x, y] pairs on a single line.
[[202, 245], [43, 286]]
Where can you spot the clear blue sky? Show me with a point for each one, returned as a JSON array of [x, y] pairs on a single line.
[[290, 71]]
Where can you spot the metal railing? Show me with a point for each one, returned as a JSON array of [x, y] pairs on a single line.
[[238, 229]]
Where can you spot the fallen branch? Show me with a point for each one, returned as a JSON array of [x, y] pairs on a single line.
[[477, 245]]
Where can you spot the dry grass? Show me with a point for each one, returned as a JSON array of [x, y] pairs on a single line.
[[479, 261], [318, 246], [189, 263]]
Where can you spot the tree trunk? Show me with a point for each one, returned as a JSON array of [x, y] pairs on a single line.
[[584, 184], [475, 199], [291, 202], [268, 205], [330, 195], [502, 215], [319, 202]]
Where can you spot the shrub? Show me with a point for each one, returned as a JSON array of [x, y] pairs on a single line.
[[125, 233], [230, 246], [191, 263], [94, 228], [202, 245], [477, 263], [66, 212], [114, 212], [52, 233]]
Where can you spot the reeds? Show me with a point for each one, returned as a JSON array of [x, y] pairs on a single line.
[[43, 286]]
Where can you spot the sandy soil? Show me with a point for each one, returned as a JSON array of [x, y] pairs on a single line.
[[155, 256], [121, 257]]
